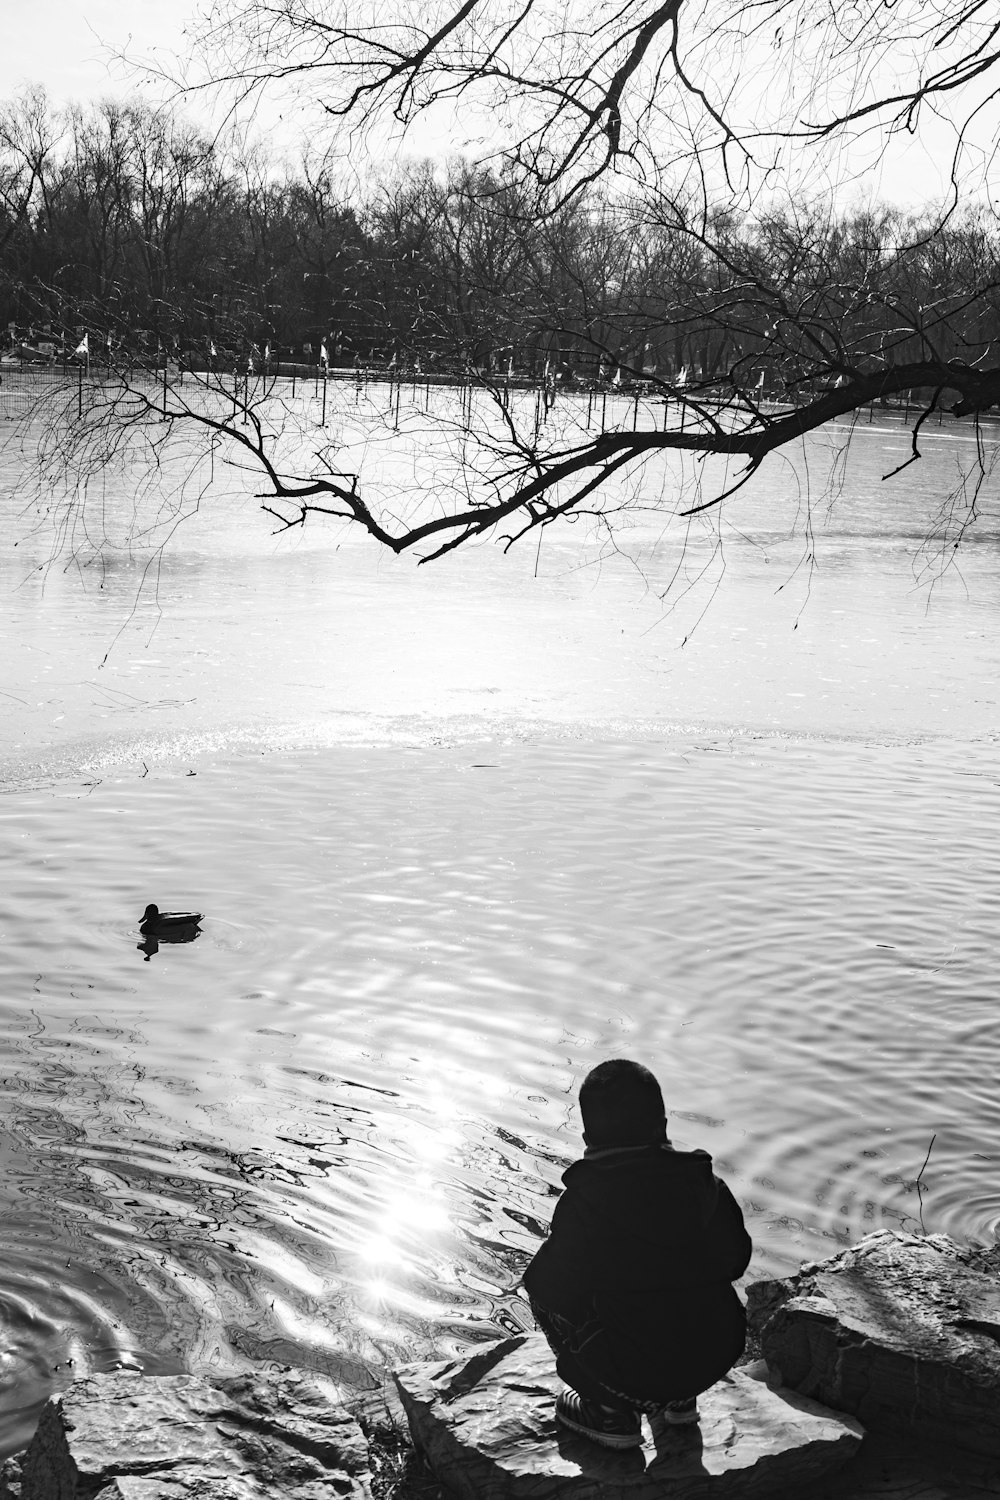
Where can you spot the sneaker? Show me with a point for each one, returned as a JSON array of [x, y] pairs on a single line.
[[611, 1426], [679, 1413]]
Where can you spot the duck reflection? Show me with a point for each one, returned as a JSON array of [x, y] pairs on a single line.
[[159, 927]]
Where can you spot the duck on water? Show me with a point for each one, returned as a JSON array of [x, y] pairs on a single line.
[[167, 927], [164, 924]]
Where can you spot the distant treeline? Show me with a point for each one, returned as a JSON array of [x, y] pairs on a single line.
[[127, 223]]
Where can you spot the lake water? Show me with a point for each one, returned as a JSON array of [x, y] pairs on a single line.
[[459, 832]]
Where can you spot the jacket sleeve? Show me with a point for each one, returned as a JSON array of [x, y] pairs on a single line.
[[566, 1270], [731, 1246]]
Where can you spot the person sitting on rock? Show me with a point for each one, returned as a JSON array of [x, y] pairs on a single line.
[[633, 1286]]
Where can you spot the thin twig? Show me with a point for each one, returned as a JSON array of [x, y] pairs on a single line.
[[927, 1158], [920, 1191]]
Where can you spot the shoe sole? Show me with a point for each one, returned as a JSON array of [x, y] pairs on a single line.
[[605, 1439]]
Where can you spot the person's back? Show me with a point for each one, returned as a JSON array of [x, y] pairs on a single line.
[[633, 1287]]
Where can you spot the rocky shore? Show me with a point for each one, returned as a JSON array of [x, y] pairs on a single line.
[[878, 1375]]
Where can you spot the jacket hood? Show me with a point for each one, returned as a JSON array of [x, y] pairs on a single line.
[[683, 1178]]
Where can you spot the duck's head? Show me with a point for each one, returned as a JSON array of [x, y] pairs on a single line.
[[151, 913]]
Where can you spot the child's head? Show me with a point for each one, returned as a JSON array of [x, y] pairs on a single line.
[[622, 1105]]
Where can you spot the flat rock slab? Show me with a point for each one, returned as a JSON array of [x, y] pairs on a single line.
[[487, 1427], [134, 1437], [901, 1331]]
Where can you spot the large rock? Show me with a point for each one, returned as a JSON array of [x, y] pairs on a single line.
[[901, 1331], [486, 1425], [130, 1437]]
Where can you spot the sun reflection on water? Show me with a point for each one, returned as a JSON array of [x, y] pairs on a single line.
[[410, 1220]]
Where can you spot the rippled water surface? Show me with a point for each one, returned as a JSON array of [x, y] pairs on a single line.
[[458, 834]]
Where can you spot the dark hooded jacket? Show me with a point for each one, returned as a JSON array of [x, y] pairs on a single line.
[[644, 1247]]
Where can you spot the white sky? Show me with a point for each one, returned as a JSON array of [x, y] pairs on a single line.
[[68, 46], [58, 43], [65, 45]]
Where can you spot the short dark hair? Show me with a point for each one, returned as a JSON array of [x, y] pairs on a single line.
[[622, 1105]]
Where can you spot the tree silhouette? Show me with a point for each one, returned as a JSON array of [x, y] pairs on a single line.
[[637, 226]]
